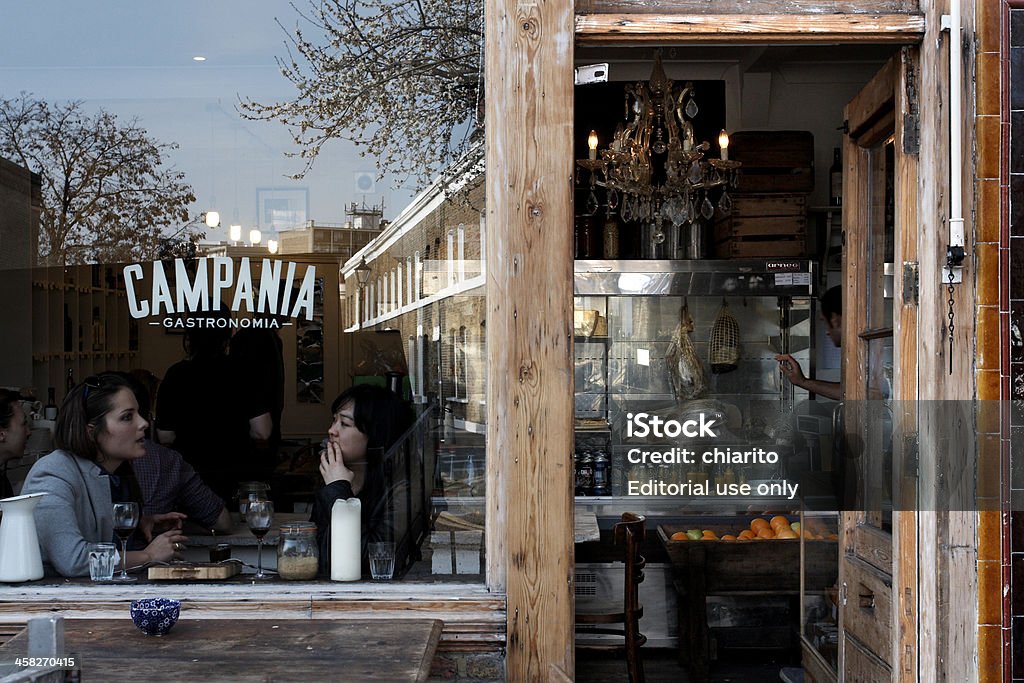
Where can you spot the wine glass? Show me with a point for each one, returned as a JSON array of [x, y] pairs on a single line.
[[126, 518], [259, 516]]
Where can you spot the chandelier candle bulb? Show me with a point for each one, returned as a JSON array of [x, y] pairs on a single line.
[[346, 545], [723, 142], [592, 145]]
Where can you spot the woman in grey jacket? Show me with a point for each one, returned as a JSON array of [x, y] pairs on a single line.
[[99, 432]]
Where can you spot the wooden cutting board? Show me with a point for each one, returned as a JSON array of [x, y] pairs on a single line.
[[201, 571]]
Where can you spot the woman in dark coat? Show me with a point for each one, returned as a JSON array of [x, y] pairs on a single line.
[[367, 421]]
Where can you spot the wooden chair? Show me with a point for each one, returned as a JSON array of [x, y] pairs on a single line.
[[599, 615]]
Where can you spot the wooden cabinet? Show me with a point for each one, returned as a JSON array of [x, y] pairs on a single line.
[[80, 325]]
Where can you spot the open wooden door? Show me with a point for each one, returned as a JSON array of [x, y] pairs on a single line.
[[877, 540]]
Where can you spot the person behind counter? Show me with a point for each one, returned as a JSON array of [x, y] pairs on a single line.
[[99, 432], [367, 421], [166, 482], [14, 433], [832, 313]]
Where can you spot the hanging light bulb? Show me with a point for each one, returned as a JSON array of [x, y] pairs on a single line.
[[592, 145], [235, 232], [212, 219], [255, 236], [723, 142], [272, 246]]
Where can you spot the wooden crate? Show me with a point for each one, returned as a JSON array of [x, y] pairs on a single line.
[[763, 225], [774, 161]]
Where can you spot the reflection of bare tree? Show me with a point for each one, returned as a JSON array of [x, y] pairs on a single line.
[[108, 195], [399, 78]]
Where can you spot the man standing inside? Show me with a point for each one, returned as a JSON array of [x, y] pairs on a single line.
[[832, 313]]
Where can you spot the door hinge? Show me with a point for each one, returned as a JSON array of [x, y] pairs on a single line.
[[911, 119], [911, 283]]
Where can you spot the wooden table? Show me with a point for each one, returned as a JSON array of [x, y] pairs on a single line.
[[249, 650]]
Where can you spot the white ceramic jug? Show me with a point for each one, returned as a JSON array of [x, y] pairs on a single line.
[[19, 544]]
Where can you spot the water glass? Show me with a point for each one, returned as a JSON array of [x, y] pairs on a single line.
[[382, 560], [102, 558]]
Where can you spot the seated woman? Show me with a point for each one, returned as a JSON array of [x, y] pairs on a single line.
[[367, 421], [14, 433], [99, 432]]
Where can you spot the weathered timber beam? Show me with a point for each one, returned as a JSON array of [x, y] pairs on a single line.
[[735, 28]]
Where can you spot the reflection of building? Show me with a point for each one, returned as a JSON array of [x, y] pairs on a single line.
[[363, 225]]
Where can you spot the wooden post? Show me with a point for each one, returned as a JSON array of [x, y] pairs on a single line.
[[529, 129]]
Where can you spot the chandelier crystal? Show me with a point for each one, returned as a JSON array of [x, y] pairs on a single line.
[[655, 163]]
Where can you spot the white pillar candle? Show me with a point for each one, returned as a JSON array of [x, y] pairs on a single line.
[[346, 544]]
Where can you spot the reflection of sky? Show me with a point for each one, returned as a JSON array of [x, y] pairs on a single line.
[[135, 60]]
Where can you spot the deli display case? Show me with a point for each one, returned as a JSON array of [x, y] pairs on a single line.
[[691, 343]]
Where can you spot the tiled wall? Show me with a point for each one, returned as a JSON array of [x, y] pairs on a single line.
[[1006, 19]]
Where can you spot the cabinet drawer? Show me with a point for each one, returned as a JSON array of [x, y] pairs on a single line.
[[867, 612]]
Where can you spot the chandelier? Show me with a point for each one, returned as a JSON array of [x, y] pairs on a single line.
[[654, 162]]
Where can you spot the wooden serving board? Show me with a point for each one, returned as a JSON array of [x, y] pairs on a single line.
[[201, 571]]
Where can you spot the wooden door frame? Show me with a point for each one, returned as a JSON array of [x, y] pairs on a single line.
[[883, 106], [529, 94]]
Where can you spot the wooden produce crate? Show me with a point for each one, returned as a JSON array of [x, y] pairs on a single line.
[[774, 161], [773, 565], [763, 225]]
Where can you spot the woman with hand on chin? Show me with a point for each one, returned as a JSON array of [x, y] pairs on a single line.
[[99, 432], [367, 421]]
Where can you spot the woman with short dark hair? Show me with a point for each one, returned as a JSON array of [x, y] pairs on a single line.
[[99, 432]]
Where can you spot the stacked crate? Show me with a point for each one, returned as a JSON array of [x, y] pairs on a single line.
[[769, 207]]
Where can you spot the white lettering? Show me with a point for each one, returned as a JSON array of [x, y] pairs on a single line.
[[161, 291], [195, 297], [223, 276], [286, 295], [304, 300], [270, 280], [243, 288], [136, 309]]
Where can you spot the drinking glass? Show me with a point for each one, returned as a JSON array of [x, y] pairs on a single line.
[[126, 518], [382, 560], [259, 516]]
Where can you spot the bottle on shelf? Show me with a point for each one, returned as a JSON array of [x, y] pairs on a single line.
[[50, 409], [99, 333], [68, 325], [835, 177], [69, 383], [610, 236]]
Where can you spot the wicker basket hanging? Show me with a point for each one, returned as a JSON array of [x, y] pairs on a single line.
[[724, 345]]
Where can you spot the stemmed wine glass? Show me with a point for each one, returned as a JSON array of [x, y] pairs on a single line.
[[126, 518], [259, 516]]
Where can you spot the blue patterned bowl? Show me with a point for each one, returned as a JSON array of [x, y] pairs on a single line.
[[155, 616]]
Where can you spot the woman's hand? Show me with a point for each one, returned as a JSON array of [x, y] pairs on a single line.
[[159, 523], [332, 465], [167, 546]]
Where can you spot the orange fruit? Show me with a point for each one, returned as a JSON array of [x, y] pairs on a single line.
[[765, 533], [786, 533], [728, 537], [758, 523], [778, 520], [746, 535], [709, 535], [678, 536]]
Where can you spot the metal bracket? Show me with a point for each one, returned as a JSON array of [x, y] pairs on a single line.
[[955, 255], [592, 73], [946, 22], [910, 283]]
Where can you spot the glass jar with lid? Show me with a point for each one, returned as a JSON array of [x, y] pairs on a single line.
[[298, 557]]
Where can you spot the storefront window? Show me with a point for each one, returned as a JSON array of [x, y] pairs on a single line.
[[153, 221]]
